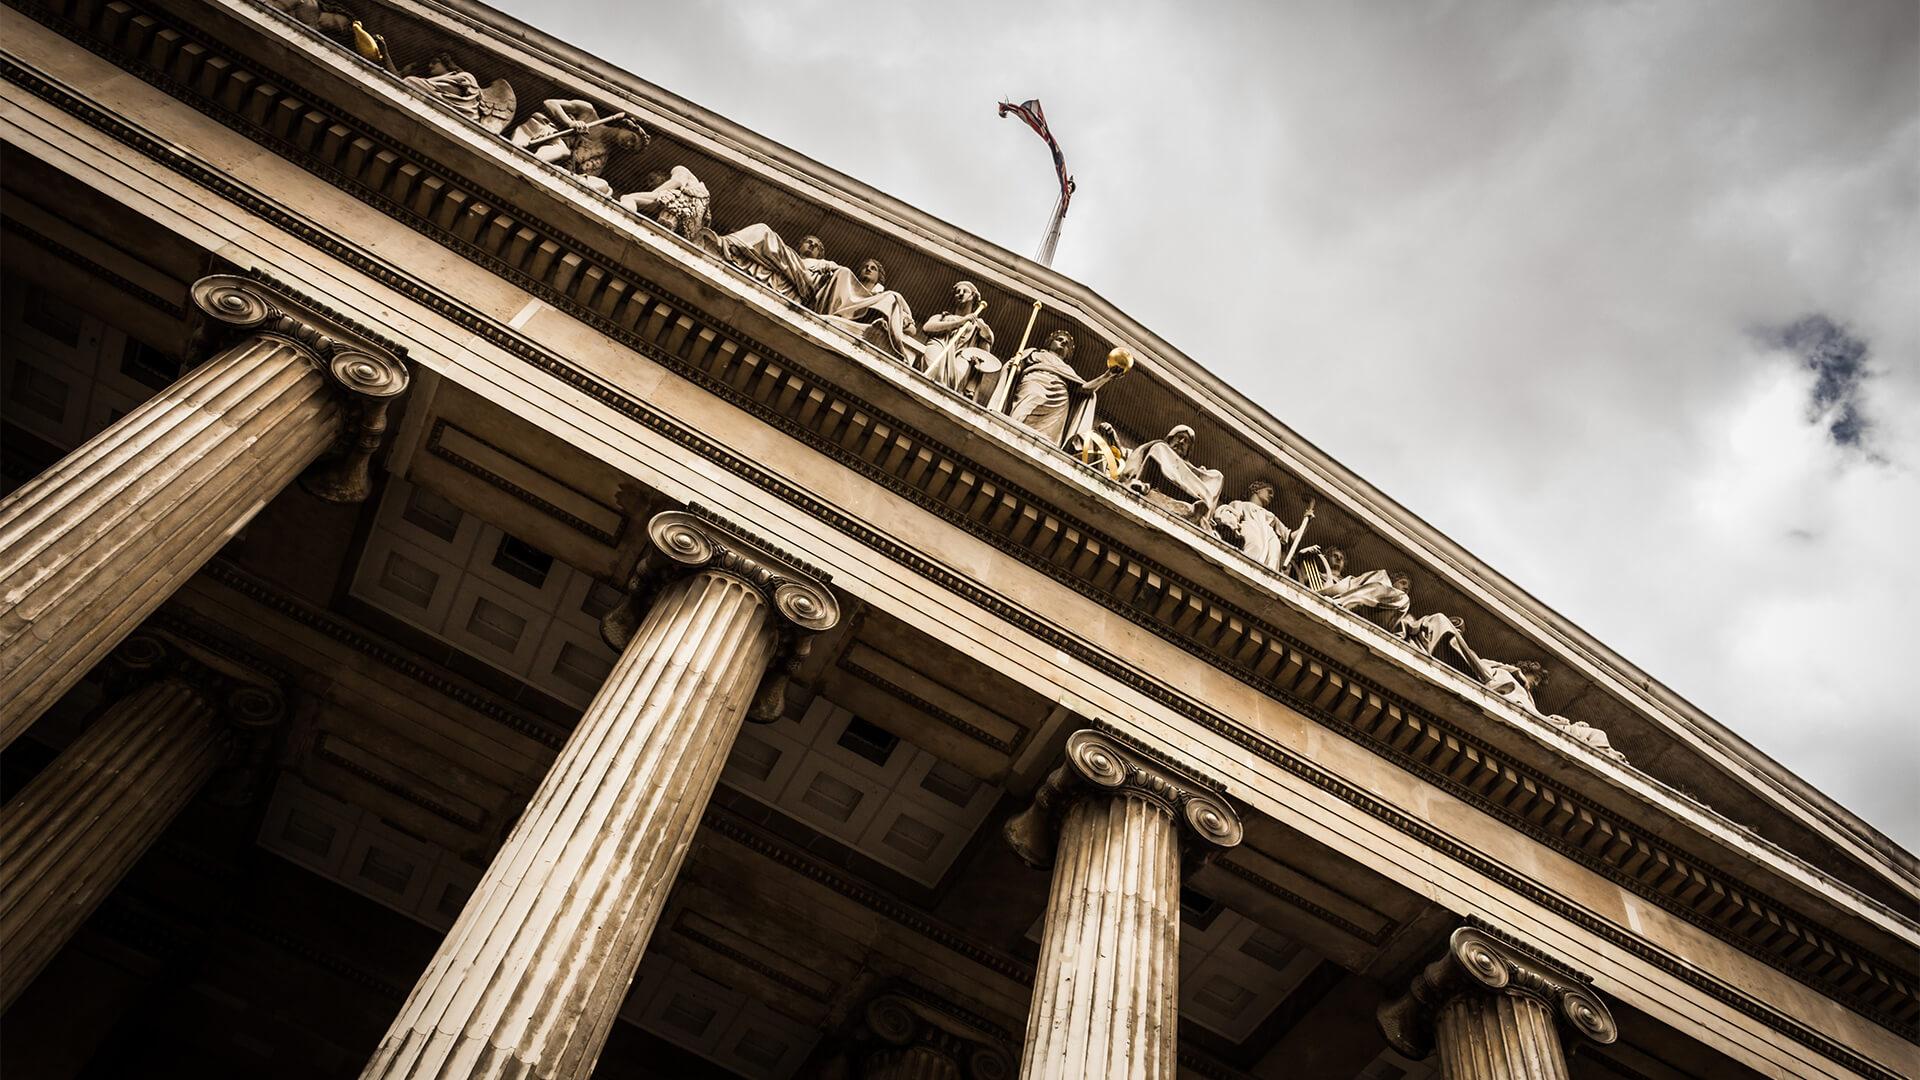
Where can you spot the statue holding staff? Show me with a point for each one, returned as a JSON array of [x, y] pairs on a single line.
[[958, 339]]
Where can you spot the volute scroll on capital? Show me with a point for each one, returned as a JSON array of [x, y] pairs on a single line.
[[369, 371], [1477, 960], [1096, 762], [354, 359], [681, 542]]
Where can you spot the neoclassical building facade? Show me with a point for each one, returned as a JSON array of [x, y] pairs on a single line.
[[505, 573]]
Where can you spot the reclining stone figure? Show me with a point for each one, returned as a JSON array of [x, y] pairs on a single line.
[[1160, 472]]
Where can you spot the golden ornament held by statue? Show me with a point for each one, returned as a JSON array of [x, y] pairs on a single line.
[[1120, 360]]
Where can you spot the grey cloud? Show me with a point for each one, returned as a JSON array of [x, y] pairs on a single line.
[[1838, 361], [1501, 258]]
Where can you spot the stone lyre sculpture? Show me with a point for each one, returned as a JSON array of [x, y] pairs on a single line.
[[675, 199], [1162, 473], [491, 106], [1250, 526], [958, 340], [572, 135], [858, 303], [791, 272]]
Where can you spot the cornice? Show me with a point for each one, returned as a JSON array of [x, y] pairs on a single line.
[[1316, 705], [983, 259]]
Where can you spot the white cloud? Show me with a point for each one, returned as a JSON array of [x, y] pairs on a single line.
[[1505, 260]]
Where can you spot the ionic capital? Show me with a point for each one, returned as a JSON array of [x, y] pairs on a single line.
[[248, 710], [906, 1017], [1098, 764], [1478, 961], [681, 542], [366, 369]]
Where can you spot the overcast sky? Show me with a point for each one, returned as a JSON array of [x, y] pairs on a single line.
[[1624, 297]]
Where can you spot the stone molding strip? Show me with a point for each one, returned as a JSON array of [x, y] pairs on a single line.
[[389, 656], [1684, 883], [93, 269], [436, 446]]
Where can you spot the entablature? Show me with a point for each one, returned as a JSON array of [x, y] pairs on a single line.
[[1162, 576]]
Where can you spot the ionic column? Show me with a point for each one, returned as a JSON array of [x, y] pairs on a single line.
[[912, 1038], [1105, 997], [69, 836], [530, 978], [1494, 1011], [91, 546]]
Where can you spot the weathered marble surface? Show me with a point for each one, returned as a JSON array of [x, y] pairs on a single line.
[[530, 978]]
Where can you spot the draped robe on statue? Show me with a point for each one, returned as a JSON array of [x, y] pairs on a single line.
[[1436, 636], [943, 361], [1263, 536], [1197, 484], [1042, 396], [761, 254], [459, 89], [1373, 591], [1506, 680], [853, 305]]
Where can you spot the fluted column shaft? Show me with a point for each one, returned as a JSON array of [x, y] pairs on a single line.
[[530, 978], [1498, 1037], [1106, 988], [69, 836], [1106, 992], [93, 545], [1494, 1010], [89, 548]]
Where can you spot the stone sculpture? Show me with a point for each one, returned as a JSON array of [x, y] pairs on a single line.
[[1517, 683], [1161, 472], [859, 303], [491, 107], [676, 199], [958, 339], [1046, 381], [572, 135], [790, 272], [1443, 637], [1376, 594], [1250, 526], [326, 18]]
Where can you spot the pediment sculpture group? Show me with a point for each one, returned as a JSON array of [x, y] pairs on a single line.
[[1038, 387]]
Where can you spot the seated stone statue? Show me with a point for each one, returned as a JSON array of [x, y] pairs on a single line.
[[491, 108], [859, 303], [571, 135], [1250, 526], [1043, 395], [1515, 682], [1160, 472], [676, 199], [1444, 638], [790, 272], [1375, 594], [957, 339]]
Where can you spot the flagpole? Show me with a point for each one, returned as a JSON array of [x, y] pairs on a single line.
[[1052, 239]]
